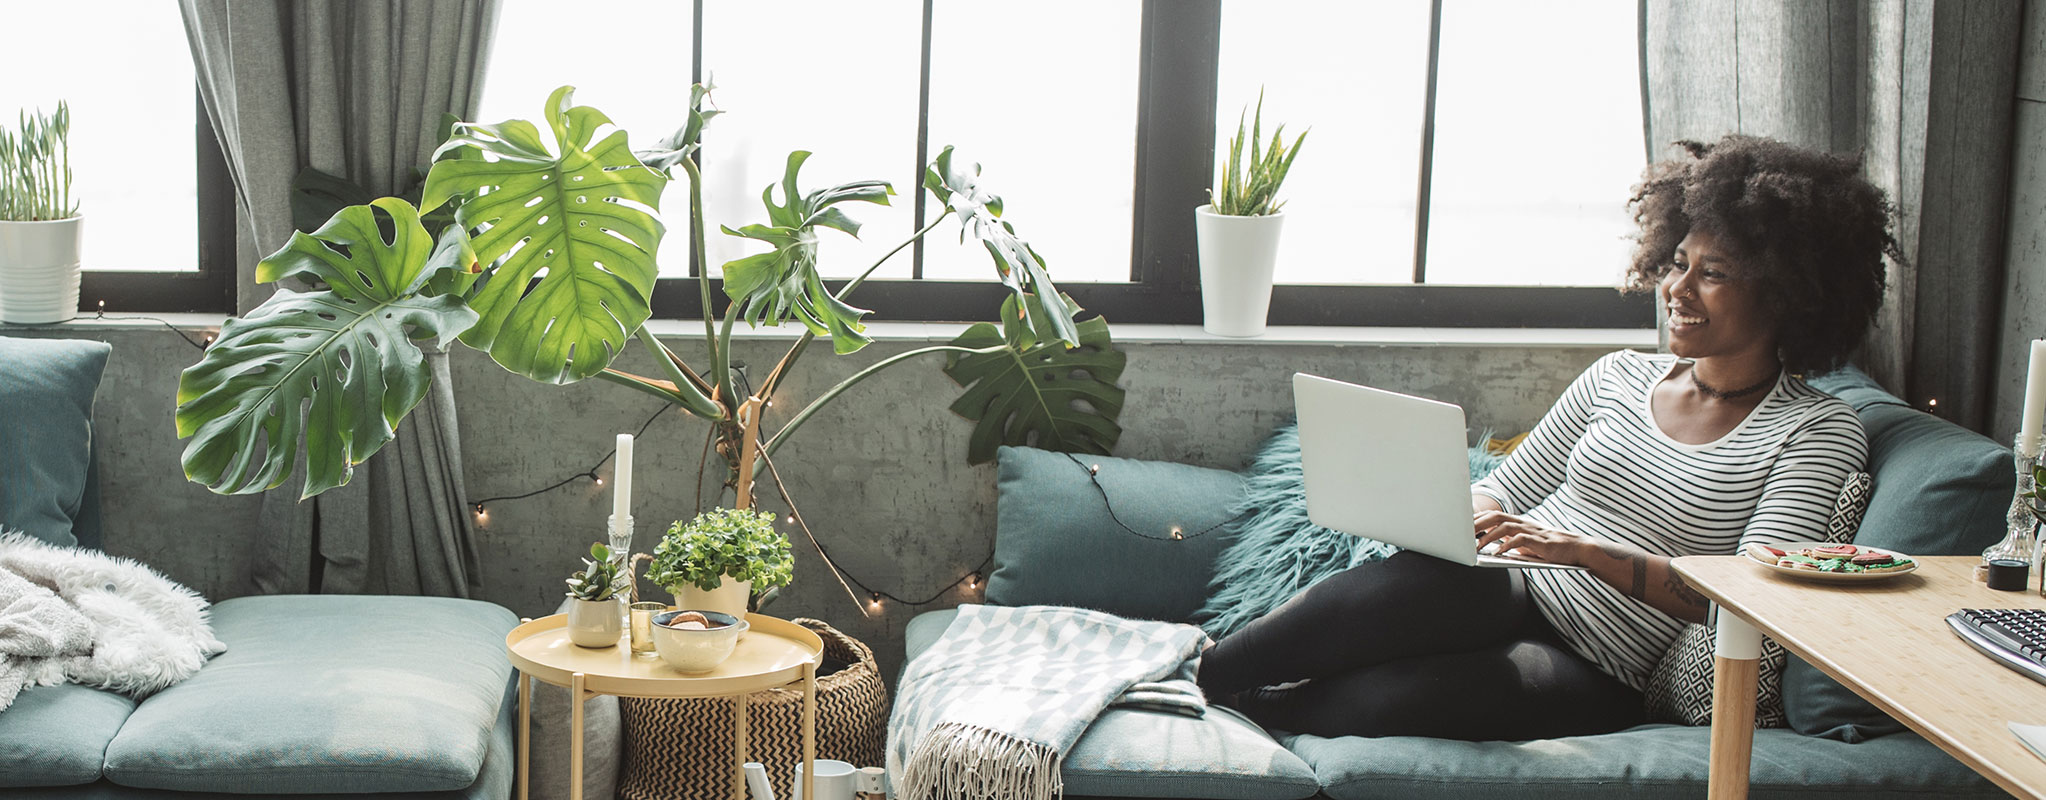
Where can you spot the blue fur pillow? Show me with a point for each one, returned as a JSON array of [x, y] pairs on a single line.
[[1274, 552]]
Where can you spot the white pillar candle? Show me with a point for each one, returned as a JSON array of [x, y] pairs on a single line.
[[621, 489], [2035, 401]]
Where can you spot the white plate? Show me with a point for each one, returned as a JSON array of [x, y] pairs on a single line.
[[1835, 577]]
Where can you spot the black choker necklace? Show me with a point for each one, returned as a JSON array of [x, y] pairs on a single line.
[[1725, 395]]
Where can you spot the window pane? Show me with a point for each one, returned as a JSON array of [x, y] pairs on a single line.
[[1354, 75], [643, 87], [1536, 144], [1043, 96], [126, 71], [837, 79]]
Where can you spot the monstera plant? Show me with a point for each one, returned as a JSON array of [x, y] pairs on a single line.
[[549, 266]]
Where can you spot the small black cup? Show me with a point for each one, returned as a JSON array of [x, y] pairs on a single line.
[[2008, 574]]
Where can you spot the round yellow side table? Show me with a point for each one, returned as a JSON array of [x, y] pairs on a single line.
[[773, 653]]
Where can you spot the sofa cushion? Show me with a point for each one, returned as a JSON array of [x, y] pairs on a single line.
[[1064, 537], [1939, 490], [1128, 753], [328, 693], [57, 735], [46, 392], [1646, 761]]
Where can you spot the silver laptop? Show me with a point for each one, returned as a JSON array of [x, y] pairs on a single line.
[[1390, 467]]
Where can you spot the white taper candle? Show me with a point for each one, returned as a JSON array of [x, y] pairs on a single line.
[[2035, 401], [621, 490]]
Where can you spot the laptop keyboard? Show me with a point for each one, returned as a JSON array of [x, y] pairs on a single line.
[[2014, 636]]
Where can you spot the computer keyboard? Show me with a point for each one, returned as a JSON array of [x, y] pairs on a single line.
[[2014, 636]]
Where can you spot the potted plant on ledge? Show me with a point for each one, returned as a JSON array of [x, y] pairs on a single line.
[[721, 560], [39, 223], [1238, 233]]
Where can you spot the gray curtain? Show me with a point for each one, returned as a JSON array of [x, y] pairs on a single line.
[[1925, 90], [355, 88]]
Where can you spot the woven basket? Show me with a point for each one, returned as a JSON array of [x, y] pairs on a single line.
[[682, 749]]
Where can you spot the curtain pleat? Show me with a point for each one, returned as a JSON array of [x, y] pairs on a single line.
[[354, 88]]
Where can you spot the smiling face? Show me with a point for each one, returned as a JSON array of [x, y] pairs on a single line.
[[1713, 310]]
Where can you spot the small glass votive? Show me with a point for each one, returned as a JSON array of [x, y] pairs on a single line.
[[643, 625]]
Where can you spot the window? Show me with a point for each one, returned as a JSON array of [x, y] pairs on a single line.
[[1448, 180], [140, 145]]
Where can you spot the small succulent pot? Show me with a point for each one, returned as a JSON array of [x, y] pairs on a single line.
[[697, 650], [594, 623]]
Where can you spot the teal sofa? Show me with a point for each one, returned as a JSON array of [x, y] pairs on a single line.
[[328, 696], [1939, 489]]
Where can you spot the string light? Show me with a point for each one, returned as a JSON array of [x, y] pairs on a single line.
[[600, 480], [874, 601], [973, 581], [1177, 534], [1174, 533]]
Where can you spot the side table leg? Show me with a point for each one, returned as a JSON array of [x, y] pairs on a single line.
[[1735, 670], [741, 708], [576, 695], [809, 731], [525, 730]]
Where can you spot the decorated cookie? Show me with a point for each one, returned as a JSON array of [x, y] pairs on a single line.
[[1764, 553]]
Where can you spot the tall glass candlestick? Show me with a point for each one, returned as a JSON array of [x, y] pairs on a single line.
[[2020, 539]]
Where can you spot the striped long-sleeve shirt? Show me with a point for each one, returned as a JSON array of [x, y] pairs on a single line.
[[1599, 465]]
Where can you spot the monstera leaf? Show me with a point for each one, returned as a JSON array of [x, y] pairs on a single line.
[[771, 286], [579, 220], [1036, 391], [336, 366], [1016, 263]]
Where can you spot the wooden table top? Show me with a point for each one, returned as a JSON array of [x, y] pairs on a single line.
[[1888, 640], [772, 653]]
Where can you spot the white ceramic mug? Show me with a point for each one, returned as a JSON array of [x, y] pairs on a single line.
[[835, 780]]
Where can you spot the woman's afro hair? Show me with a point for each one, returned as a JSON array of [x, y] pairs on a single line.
[[1804, 226]]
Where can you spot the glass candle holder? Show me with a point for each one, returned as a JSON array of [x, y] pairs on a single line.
[[642, 625], [2020, 537]]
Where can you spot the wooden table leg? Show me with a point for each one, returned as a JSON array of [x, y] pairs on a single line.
[[741, 706], [525, 730], [809, 731], [1735, 670], [576, 695]]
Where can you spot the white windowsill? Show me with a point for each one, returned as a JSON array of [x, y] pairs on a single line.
[[1124, 333]]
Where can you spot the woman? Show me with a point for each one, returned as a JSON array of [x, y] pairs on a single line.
[[1769, 262]]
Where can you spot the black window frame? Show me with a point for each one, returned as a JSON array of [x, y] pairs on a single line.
[[1179, 58], [209, 289]]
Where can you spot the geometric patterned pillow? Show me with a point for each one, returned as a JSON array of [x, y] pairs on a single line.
[[1680, 689]]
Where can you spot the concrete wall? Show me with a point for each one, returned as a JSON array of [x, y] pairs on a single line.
[[881, 474], [2024, 311]]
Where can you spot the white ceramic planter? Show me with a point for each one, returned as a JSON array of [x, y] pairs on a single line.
[[39, 271], [594, 623], [1238, 255], [729, 597]]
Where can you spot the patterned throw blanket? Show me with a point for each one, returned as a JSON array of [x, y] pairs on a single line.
[[993, 706]]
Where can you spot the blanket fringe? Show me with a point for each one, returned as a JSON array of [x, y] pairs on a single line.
[[967, 762]]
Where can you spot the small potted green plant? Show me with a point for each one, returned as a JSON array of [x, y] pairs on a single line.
[[594, 616], [39, 222], [721, 559], [1238, 233]]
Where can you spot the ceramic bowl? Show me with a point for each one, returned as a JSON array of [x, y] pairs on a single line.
[[696, 651]]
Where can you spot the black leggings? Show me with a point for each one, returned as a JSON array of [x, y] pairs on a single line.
[[1416, 646]]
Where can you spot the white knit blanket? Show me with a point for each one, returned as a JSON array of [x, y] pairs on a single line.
[[990, 710], [93, 619]]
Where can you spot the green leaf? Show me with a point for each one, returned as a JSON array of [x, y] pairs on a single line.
[[1037, 391], [335, 368], [1018, 265], [771, 287], [685, 141], [575, 216]]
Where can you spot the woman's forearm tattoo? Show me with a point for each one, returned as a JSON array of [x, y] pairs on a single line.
[[1640, 588], [1683, 591]]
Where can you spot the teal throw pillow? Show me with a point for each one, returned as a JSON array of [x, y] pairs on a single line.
[[1940, 490], [46, 394], [1103, 540], [1274, 552]]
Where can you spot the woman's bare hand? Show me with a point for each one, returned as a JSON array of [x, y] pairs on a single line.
[[1519, 536]]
